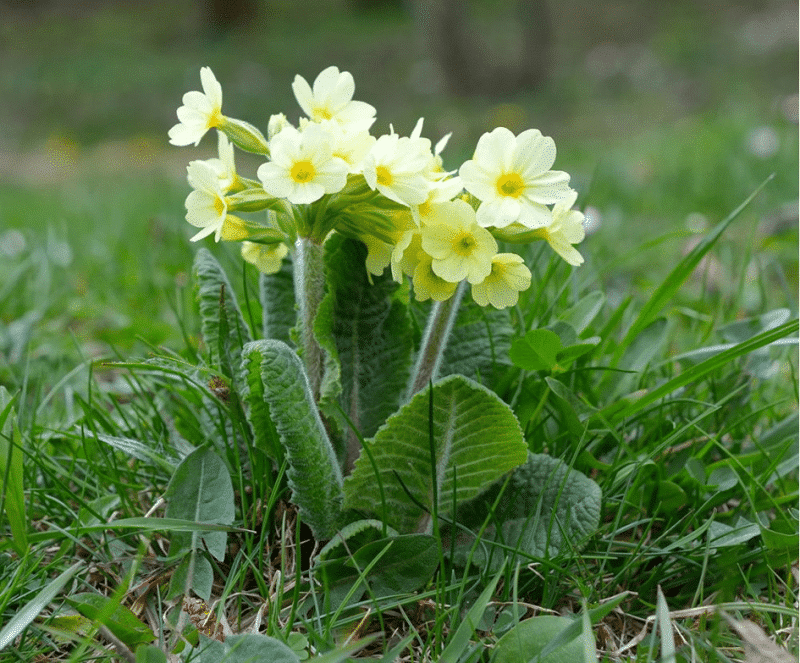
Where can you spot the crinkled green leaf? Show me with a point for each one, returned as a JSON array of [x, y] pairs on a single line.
[[546, 509], [470, 425], [276, 291], [119, 620], [222, 325], [194, 572], [369, 331], [479, 341], [314, 474]]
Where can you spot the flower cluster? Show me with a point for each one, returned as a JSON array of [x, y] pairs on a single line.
[[329, 173]]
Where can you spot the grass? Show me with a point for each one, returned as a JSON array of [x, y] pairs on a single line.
[[699, 514]]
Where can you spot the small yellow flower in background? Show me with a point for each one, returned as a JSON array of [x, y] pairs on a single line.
[[200, 112], [509, 277], [332, 99], [427, 284], [396, 166], [266, 257], [511, 177], [206, 207], [565, 229], [303, 167], [459, 247], [406, 254]]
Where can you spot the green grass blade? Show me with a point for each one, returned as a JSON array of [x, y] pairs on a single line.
[[460, 639], [33, 607], [673, 282], [702, 369], [664, 629]]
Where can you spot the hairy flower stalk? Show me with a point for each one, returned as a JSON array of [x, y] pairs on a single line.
[[434, 342], [309, 287]]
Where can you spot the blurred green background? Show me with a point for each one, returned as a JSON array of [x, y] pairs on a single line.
[[666, 114]]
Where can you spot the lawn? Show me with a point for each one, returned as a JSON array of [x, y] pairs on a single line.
[[652, 389]]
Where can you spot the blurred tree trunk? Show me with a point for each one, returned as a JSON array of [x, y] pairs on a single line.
[[469, 62], [222, 16]]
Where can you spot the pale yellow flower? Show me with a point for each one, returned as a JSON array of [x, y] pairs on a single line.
[[460, 248], [332, 99], [302, 167], [511, 177], [266, 257], [564, 230], [206, 206], [200, 111], [396, 167], [501, 288], [427, 285]]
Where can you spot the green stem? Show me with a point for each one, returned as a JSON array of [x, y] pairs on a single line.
[[309, 287], [434, 342]]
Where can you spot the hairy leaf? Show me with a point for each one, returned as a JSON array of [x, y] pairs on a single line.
[[478, 343], [221, 322], [200, 491], [546, 509], [314, 474], [370, 332], [246, 648], [476, 440], [277, 302]]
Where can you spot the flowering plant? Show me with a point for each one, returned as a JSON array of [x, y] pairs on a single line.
[[331, 208]]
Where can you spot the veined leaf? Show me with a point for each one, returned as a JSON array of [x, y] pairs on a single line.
[[546, 509], [371, 332], [200, 490], [277, 300], [479, 341], [221, 322], [314, 474], [246, 648], [470, 425]]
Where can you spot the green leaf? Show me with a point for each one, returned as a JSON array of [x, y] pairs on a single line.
[[150, 654], [479, 341], [546, 509], [277, 301], [528, 640], [222, 325], [247, 648], [314, 474], [120, 620], [581, 315], [200, 490], [407, 565], [32, 608], [12, 497], [370, 331], [470, 425], [536, 351], [194, 572]]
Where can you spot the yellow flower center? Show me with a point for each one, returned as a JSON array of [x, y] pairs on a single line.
[[215, 119], [384, 175], [322, 113], [303, 171], [219, 206], [464, 244], [510, 184]]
